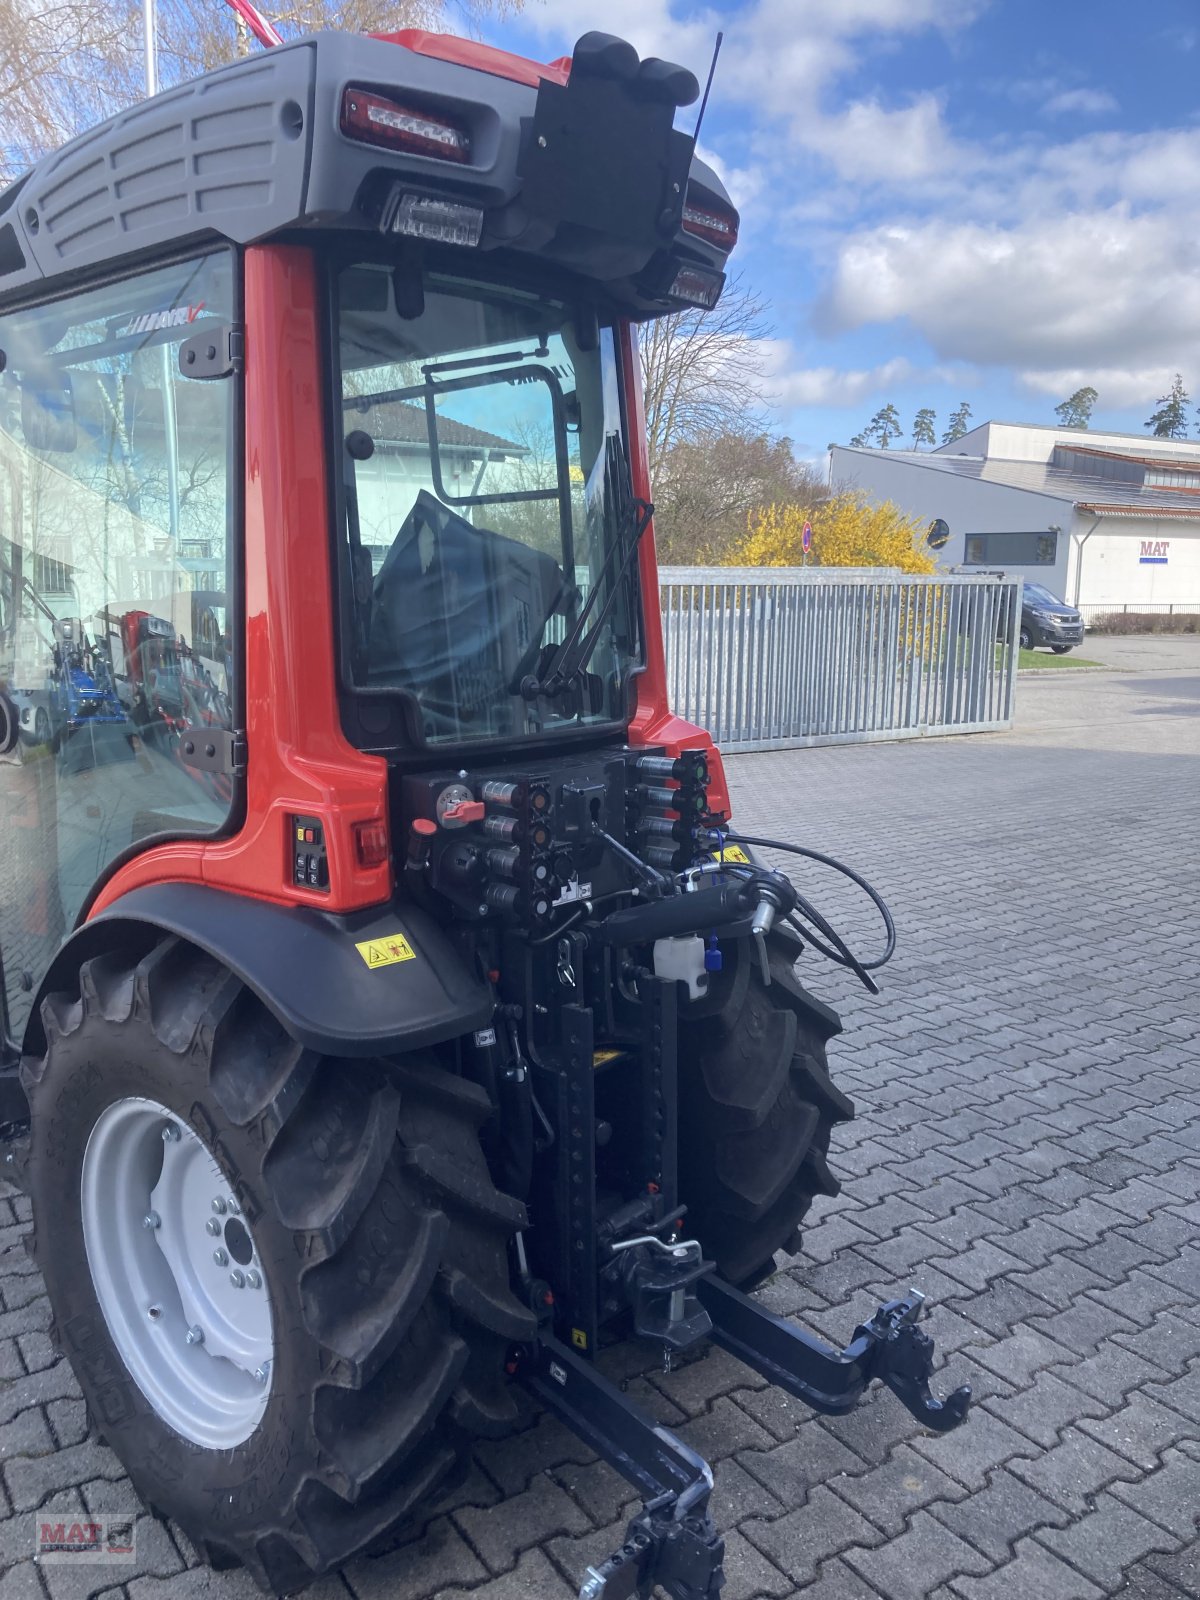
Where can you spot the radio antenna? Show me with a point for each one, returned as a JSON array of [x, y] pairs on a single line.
[[704, 103]]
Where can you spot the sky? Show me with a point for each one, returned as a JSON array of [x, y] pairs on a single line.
[[990, 201]]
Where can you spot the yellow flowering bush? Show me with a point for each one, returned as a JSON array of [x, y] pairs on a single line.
[[848, 530]]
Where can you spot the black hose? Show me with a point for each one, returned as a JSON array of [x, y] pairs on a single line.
[[846, 958]]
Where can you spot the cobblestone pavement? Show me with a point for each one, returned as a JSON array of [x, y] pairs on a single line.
[[1027, 1151]]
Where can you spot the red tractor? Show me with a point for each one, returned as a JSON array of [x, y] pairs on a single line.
[[456, 1032]]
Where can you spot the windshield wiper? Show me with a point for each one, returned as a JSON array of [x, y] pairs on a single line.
[[574, 653]]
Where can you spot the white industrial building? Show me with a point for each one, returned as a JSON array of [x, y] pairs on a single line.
[[1104, 520]]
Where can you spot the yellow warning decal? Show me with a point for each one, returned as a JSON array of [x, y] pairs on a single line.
[[733, 852], [601, 1058], [579, 1338], [387, 951]]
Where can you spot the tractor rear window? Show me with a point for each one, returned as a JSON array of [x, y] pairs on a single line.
[[114, 567], [486, 498]]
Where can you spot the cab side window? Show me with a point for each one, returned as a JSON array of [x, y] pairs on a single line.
[[115, 550]]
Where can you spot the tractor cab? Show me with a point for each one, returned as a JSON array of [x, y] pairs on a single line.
[[397, 1016]]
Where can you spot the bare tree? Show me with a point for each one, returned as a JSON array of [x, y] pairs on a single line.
[[67, 64], [702, 373]]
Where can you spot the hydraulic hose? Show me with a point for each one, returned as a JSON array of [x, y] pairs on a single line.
[[837, 950]]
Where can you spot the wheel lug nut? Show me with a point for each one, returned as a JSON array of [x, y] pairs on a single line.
[[195, 1334], [237, 1278], [151, 1220], [213, 1226], [235, 1210], [219, 1206], [254, 1278], [264, 1372], [220, 1258], [170, 1133]]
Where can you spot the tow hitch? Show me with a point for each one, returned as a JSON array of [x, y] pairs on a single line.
[[672, 1543]]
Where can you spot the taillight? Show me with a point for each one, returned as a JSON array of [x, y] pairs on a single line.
[[707, 222], [371, 842], [373, 119]]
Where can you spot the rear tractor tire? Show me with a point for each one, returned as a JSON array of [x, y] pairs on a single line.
[[281, 1279], [756, 1110]]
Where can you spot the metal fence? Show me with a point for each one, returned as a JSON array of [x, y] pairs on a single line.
[[1147, 608], [771, 657]]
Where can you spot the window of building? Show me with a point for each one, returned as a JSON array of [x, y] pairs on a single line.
[[1011, 549]]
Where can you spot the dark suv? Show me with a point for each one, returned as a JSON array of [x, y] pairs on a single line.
[[1046, 620]]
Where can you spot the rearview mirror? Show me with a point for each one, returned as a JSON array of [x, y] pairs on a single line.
[[48, 412]]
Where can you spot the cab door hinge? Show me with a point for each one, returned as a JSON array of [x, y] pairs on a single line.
[[214, 750], [216, 352]]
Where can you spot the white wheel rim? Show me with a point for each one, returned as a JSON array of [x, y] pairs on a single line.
[[166, 1244]]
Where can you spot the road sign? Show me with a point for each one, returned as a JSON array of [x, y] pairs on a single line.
[[806, 538]]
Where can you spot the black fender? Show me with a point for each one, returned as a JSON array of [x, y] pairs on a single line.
[[410, 989]]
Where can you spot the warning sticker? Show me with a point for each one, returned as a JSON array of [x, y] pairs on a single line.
[[579, 1338], [601, 1058], [387, 951], [733, 852]]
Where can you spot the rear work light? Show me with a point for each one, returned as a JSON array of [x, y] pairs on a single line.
[[696, 287], [373, 119], [422, 216], [714, 226]]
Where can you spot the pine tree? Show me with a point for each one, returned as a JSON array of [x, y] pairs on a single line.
[[884, 426], [859, 441], [923, 428], [1170, 420], [958, 423], [1076, 411]]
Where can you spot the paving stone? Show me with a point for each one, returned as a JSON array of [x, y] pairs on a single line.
[[1107, 1540], [748, 1572], [532, 1578], [890, 1493], [1112, 1374], [1140, 1431], [797, 1542], [1182, 1569], [30, 1479], [724, 1429], [1046, 1407], [1033, 1572], [604, 1494], [1169, 1496], [542, 1511], [925, 1555], [791, 1470], [1020, 1355], [968, 1454], [693, 1386], [996, 1517], [441, 1559], [1083, 1325]]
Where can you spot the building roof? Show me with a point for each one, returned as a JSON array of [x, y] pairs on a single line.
[[1103, 496], [397, 422]]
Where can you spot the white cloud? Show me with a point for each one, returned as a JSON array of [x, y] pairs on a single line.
[[1107, 288], [785, 382], [1116, 387], [1080, 102]]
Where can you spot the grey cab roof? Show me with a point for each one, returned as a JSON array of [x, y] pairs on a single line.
[[254, 149]]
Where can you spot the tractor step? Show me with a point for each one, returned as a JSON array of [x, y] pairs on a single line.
[[672, 1543]]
